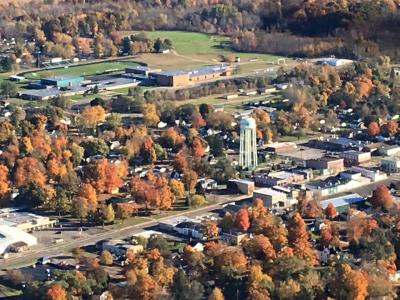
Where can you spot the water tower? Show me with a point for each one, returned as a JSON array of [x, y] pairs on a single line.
[[248, 143]]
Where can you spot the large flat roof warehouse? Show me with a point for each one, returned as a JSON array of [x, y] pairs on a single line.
[[343, 200], [269, 192], [11, 235], [208, 70]]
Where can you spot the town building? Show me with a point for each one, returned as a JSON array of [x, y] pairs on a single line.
[[61, 81], [12, 237], [271, 198], [120, 247], [242, 186], [179, 78], [342, 203], [327, 164], [233, 237], [389, 150], [278, 148], [281, 178], [339, 144], [372, 173], [355, 158], [338, 184], [140, 72], [25, 221], [390, 164]]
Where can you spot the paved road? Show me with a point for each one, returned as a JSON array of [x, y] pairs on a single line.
[[31, 256]]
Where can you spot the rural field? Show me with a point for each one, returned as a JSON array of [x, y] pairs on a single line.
[[193, 49]]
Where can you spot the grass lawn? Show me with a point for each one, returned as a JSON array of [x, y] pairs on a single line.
[[6, 291], [195, 43], [206, 47], [81, 70]]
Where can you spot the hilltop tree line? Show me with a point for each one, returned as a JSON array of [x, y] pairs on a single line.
[[301, 28]]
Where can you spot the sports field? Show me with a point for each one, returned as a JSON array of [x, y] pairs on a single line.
[[82, 70], [201, 44]]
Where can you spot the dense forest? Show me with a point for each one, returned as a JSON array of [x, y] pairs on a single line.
[[303, 28]]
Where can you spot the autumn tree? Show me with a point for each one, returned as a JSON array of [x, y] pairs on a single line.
[[257, 209], [227, 223], [373, 129], [3, 180], [242, 219], [350, 284], [381, 197], [150, 116], [56, 292], [260, 247], [210, 229], [108, 214], [91, 116], [29, 170], [89, 194], [259, 285], [391, 127], [216, 294], [181, 161], [106, 258], [330, 211], [298, 239], [190, 180], [231, 258], [198, 150], [197, 200], [177, 188], [125, 210]]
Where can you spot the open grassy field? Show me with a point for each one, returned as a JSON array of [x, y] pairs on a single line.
[[82, 70], [192, 49], [199, 44]]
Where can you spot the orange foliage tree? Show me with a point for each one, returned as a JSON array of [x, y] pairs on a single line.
[[210, 229], [233, 258], [242, 219], [181, 162], [350, 284], [92, 115], [197, 148], [3, 179], [373, 129], [89, 193], [216, 294], [391, 127], [260, 247], [153, 192], [56, 292], [381, 197], [29, 170], [106, 176], [330, 211], [298, 239]]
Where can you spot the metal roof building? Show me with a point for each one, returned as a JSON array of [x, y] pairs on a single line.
[[12, 235], [341, 203]]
